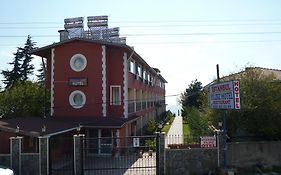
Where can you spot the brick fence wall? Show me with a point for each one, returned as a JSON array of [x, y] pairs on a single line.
[[190, 161], [247, 154]]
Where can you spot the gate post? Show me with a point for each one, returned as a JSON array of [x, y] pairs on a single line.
[[16, 154], [44, 155], [160, 154], [221, 148], [78, 154]]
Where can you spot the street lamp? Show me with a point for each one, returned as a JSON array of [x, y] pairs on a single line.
[[160, 126], [17, 130], [43, 129], [78, 128]]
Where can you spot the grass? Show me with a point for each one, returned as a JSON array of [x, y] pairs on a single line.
[[188, 138], [168, 125], [186, 129]]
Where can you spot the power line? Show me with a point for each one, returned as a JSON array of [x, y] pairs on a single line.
[[219, 33], [151, 26], [20, 36], [152, 21], [163, 34], [183, 42], [207, 42]]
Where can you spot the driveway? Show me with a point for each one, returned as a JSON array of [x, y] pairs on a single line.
[[175, 134]]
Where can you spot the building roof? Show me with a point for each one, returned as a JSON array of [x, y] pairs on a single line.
[[264, 71], [32, 126], [45, 51]]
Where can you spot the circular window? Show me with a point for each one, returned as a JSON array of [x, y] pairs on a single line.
[[77, 99], [78, 62]]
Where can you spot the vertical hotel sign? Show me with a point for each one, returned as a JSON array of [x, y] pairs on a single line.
[[225, 95]]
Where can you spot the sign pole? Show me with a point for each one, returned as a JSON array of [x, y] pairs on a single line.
[[224, 125], [225, 137], [218, 79]]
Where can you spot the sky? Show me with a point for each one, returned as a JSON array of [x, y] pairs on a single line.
[[185, 39]]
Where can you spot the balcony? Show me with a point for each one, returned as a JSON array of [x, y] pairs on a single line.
[[139, 105], [131, 107]]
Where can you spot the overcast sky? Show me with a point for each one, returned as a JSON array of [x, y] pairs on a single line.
[[184, 39]]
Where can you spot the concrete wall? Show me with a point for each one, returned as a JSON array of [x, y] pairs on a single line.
[[247, 154], [190, 161]]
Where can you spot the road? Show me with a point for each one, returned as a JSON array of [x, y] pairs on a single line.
[[175, 134]]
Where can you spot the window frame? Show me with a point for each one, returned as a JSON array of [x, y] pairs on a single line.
[[71, 99], [114, 102], [77, 56]]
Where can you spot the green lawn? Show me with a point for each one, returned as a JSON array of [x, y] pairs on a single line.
[[167, 126], [186, 129]]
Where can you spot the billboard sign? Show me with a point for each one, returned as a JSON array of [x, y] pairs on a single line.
[[225, 95]]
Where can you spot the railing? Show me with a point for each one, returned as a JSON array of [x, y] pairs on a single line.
[[131, 107], [121, 155], [139, 104], [188, 142], [144, 105]]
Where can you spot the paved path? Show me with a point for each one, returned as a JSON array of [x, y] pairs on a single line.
[[175, 134]]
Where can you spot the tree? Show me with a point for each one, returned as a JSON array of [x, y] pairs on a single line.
[[26, 67], [25, 99], [11, 77], [41, 75], [260, 113], [192, 97], [22, 66], [192, 101]]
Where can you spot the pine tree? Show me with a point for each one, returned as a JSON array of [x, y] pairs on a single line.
[[11, 77], [27, 68], [22, 66], [41, 75]]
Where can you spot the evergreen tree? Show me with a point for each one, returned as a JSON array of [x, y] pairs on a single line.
[[26, 67], [22, 66], [41, 75], [15, 74], [192, 97]]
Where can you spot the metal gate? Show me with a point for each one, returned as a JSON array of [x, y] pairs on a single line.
[[61, 156], [120, 155]]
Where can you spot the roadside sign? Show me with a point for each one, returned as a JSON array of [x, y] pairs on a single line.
[[208, 142], [225, 95], [136, 142]]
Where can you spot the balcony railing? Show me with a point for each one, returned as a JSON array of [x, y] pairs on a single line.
[[131, 107], [144, 105], [138, 106]]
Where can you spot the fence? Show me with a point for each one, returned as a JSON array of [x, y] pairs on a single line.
[[187, 141], [120, 155], [61, 155]]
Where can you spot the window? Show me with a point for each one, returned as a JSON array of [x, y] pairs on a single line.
[[78, 62], [77, 99], [132, 65], [115, 95], [139, 71], [144, 74]]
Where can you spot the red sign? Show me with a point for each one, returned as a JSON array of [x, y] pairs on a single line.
[[208, 142]]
